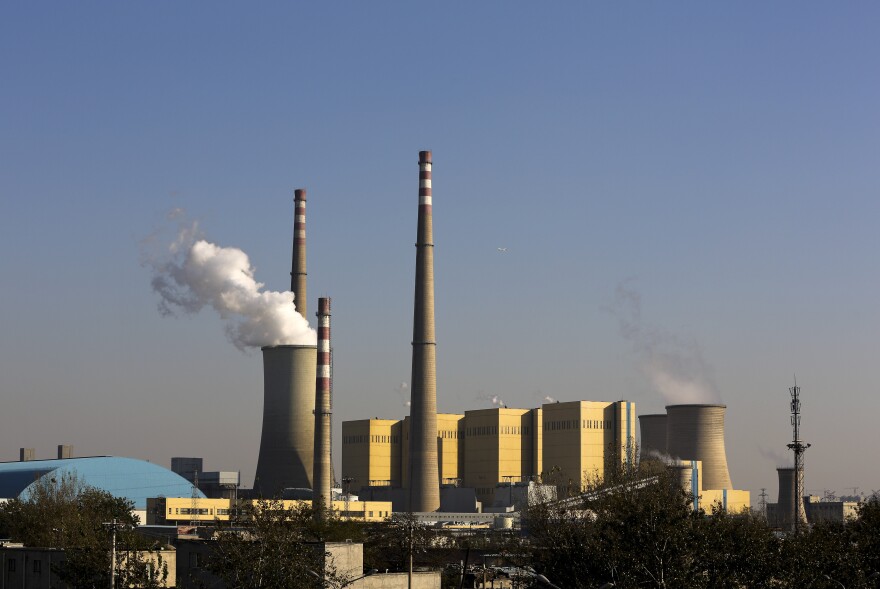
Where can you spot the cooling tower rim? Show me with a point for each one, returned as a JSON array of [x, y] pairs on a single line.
[[778, 468], [719, 405], [653, 415], [294, 346]]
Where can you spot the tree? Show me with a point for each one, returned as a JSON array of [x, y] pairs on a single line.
[[71, 515], [270, 544]]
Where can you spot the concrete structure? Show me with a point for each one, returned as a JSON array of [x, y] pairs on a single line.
[[32, 568], [819, 510], [582, 438], [322, 478], [696, 432], [164, 511], [298, 267], [26, 454], [787, 501], [688, 474], [187, 466], [499, 447], [288, 439], [131, 479], [653, 436], [424, 479], [487, 447], [64, 451]]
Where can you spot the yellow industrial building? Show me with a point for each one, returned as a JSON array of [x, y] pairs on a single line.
[[563, 443], [184, 510]]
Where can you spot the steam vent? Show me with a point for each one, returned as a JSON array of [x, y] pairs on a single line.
[[696, 432], [424, 479]]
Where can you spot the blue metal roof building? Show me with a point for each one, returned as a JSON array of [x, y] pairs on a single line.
[[129, 478]]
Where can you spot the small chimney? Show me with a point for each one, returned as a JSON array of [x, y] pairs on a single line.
[[26, 454], [298, 268], [65, 452]]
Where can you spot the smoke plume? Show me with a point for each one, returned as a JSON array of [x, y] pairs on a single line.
[[674, 366], [193, 273]]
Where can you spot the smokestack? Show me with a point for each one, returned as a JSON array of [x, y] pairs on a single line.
[[424, 480], [26, 454], [298, 269], [288, 440], [653, 429], [323, 410], [786, 502], [696, 432], [65, 452]]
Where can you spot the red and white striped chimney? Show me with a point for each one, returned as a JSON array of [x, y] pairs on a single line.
[[298, 269], [323, 409]]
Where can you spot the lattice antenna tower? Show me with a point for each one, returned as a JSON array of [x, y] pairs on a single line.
[[798, 447], [763, 503], [194, 503]]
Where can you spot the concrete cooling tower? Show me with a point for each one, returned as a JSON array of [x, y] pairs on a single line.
[[653, 430], [696, 432], [785, 503], [287, 443]]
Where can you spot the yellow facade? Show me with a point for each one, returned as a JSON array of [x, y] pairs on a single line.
[[184, 510], [580, 436], [498, 447], [371, 452], [448, 448]]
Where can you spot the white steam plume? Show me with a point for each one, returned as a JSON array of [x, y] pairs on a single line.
[[675, 367], [193, 273]]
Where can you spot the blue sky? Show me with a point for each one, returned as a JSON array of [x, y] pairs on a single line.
[[721, 160]]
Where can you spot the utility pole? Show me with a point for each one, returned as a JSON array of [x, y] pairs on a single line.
[[798, 448], [114, 525], [763, 503]]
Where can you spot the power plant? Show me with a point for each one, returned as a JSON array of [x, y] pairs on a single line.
[[424, 478], [287, 443], [790, 511], [323, 412]]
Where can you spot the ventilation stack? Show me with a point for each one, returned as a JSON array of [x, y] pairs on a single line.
[[653, 429], [298, 268], [696, 432], [788, 499], [424, 479], [323, 409], [288, 441]]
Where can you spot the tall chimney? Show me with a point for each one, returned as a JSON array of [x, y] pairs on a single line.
[[298, 268], [786, 502], [696, 432], [287, 443], [424, 479], [323, 410]]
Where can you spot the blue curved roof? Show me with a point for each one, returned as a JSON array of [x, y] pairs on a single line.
[[132, 479]]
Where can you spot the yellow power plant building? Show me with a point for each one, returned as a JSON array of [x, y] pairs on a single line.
[[163, 511], [558, 442]]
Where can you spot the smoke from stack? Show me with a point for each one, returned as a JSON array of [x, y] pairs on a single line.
[[194, 273], [675, 366], [323, 407], [424, 480]]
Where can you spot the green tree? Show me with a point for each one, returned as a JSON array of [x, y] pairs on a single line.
[[65, 513], [269, 544]]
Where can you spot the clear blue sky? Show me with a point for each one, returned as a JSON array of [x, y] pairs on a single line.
[[722, 160]]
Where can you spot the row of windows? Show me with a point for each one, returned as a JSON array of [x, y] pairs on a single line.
[[573, 424], [492, 430], [450, 434], [373, 439], [195, 511], [38, 566]]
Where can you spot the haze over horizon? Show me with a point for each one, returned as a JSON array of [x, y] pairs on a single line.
[[641, 202]]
